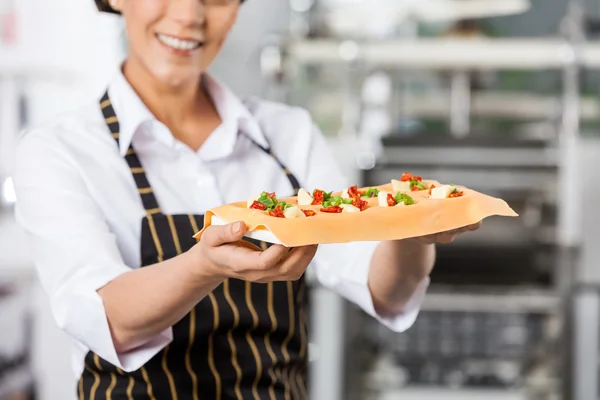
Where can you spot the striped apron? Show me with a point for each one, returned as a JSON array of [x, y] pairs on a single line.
[[243, 341]]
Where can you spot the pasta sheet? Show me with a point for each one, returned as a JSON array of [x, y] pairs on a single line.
[[427, 216]]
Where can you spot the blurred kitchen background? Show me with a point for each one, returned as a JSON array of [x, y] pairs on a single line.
[[499, 95]]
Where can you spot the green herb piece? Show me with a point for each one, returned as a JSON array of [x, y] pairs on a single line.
[[284, 205], [404, 198], [418, 184], [372, 192], [271, 202], [268, 201], [336, 201]]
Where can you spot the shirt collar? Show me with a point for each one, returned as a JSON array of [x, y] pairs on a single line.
[[235, 116]]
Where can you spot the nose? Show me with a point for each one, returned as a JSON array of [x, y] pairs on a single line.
[[190, 13]]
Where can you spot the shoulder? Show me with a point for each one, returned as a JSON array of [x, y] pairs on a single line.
[[64, 150], [263, 108], [271, 113], [297, 141], [282, 123], [68, 132]]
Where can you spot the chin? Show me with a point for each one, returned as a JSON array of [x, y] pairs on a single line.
[[176, 75]]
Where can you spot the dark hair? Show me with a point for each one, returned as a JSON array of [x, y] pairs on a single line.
[[104, 6]]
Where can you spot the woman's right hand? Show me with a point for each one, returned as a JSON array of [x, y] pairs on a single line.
[[221, 254]]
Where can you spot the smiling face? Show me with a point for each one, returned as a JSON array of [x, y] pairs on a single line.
[[176, 40]]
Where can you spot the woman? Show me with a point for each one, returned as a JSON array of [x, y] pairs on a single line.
[[213, 319]]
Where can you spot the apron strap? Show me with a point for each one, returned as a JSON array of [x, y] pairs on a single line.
[[293, 181], [139, 175]]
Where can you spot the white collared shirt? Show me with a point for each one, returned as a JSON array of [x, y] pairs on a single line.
[[78, 202]]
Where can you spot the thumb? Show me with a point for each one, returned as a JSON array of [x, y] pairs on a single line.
[[223, 234]]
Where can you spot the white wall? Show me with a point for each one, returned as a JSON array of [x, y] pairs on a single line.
[[65, 55]]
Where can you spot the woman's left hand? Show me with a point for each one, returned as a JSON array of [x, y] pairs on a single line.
[[448, 236]]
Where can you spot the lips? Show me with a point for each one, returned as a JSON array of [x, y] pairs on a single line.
[[179, 44]]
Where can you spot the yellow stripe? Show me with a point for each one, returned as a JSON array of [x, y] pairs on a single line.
[[157, 244], [211, 359], [152, 211], [263, 245], [145, 190], [174, 234], [301, 385], [130, 152], [130, 388], [111, 120], [137, 170], [287, 171], [148, 384], [81, 388], [165, 368], [115, 135], [291, 377], [303, 339], [96, 382], [188, 364], [268, 335], [236, 320], [105, 103], [272, 387], [97, 362], [113, 382], [284, 350], [120, 371], [295, 375], [194, 224], [251, 341]]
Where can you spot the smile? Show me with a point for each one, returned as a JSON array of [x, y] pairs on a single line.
[[178, 44]]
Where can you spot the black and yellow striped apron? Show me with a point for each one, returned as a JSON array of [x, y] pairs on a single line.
[[243, 341]]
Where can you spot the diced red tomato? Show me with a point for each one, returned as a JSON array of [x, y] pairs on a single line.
[[353, 191], [360, 203], [277, 212], [332, 209], [257, 205], [391, 200], [406, 177], [318, 197]]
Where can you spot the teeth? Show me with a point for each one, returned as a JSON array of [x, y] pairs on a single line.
[[178, 44]]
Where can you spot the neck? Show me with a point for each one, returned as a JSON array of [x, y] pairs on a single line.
[[186, 109], [169, 104]]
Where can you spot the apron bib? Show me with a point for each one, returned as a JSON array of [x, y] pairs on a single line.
[[243, 341]]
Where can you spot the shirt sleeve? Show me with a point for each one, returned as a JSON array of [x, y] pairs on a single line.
[[73, 248], [344, 268]]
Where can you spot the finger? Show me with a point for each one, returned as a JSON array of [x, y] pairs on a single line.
[[446, 237], [294, 263], [248, 245], [217, 235], [473, 227], [290, 267], [242, 259]]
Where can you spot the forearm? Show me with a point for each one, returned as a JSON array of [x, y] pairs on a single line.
[[144, 302], [397, 269]]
